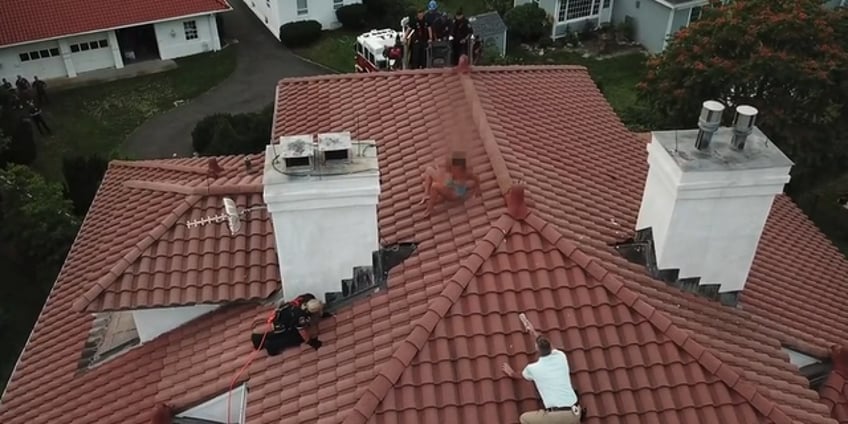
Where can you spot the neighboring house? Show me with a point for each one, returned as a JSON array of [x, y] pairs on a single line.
[[275, 13], [490, 28], [654, 21], [64, 39], [149, 310]]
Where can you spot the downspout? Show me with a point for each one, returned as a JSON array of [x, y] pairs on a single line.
[[668, 27]]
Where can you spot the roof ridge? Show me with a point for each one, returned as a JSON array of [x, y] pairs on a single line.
[[201, 189], [474, 69], [84, 301], [389, 373], [160, 164], [728, 374], [487, 136]]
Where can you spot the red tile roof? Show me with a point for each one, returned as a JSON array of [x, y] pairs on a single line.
[[31, 20], [834, 391], [430, 345]]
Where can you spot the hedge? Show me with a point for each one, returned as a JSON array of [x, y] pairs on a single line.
[[352, 16], [300, 33]]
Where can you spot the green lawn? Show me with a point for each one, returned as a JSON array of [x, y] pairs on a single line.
[[617, 77], [334, 50], [96, 119]]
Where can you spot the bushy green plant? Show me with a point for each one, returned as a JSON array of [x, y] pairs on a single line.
[[352, 16], [300, 33], [201, 135], [527, 22], [545, 42], [82, 179]]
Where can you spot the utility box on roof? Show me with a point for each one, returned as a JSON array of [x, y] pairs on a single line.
[[490, 28]]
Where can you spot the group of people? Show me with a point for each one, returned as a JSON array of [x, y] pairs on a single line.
[[434, 26], [29, 97]]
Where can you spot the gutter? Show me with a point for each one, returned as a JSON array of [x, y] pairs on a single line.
[[686, 5]]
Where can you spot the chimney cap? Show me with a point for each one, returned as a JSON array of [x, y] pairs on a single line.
[[746, 110], [713, 106]]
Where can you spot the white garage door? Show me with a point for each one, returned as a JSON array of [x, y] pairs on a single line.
[[42, 59], [91, 54]]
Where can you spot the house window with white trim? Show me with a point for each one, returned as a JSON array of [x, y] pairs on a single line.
[[38, 54], [337, 4], [302, 7], [570, 10], [694, 14], [190, 28]]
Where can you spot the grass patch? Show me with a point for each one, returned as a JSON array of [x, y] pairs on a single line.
[[616, 77], [334, 50], [97, 119]]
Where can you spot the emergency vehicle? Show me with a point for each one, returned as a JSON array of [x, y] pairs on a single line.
[[374, 51], [387, 50]]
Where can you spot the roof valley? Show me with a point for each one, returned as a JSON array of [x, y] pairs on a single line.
[[437, 308]]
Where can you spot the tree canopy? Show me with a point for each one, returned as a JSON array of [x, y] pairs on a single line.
[[36, 218], [787, 58]]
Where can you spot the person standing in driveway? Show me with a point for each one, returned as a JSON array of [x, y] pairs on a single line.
[[38, 119], [40, 91]]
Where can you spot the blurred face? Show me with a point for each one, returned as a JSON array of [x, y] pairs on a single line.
[[420, 15]]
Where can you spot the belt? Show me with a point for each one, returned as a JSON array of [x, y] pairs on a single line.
[[558, 408]]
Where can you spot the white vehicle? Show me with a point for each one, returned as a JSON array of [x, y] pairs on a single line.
[[379, 50]]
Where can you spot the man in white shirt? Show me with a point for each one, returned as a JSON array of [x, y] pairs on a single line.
[[553, 381]]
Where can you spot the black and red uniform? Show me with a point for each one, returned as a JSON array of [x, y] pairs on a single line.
[[289, 319], [420, 38]]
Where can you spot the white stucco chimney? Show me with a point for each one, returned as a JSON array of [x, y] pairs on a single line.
[[322, 193], [708, 196]]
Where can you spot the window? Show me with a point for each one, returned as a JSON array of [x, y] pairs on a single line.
[[337, 4], [577, 9], [302, 7], [39, 54], [190, 28], [694, 14], [85, 46]]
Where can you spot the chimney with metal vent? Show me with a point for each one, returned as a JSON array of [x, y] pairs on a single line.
[[707, 197], [322, 192], [743, 125], [708, 123]]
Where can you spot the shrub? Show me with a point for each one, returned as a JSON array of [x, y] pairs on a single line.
[[82, 178], [528, 22], [202, 133], [545, 42], [501, 6], [352, 16], [300, 33], [385, 13], [626, 29]]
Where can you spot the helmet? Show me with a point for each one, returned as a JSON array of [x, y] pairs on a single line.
[[432, 5]]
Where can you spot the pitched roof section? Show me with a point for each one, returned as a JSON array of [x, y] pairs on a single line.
[[834, 391], [593, 173], [32, 20], [173, 265], [591, 194], [629, 362]]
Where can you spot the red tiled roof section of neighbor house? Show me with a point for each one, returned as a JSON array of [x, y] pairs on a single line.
[[639, 349], [32, 20], [834, 391]]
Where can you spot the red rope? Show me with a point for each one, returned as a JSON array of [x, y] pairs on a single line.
[[270, 322]]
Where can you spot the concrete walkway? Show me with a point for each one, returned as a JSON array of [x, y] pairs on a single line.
[[262, 62]]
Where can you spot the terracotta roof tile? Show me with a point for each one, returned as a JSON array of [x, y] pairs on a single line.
[[27, 20], [640, 350]]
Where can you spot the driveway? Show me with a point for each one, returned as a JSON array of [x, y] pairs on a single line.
[[262, 62]]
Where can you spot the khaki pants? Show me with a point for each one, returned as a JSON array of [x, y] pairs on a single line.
[[554, 417]]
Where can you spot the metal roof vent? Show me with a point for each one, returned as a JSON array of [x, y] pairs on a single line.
[[708, 123], [335, 147], [743, 125], [298, 151]]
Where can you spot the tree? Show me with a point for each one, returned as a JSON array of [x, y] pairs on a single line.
[[500, 6], [21, 146], [528, 22], [82, 179], [37, 219], [785, 57], [225, 134]]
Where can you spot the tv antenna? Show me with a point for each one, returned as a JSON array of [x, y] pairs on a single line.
[[232, 215]]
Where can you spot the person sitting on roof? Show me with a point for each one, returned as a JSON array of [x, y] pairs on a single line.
[[295, 322], [553, 381], [452, 181]]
